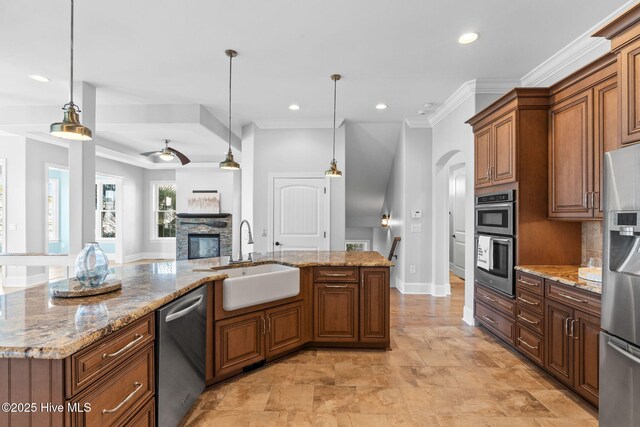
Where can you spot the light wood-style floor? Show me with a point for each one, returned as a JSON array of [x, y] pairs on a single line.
[[440, 372]]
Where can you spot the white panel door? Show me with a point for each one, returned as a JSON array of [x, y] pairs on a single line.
[[300, 214], [459, 235]]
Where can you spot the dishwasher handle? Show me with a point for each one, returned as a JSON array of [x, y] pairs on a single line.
[[184, 312], [623, 352]]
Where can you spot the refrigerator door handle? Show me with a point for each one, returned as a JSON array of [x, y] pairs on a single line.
[[624, 352]]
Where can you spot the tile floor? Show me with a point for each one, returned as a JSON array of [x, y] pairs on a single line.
[[440, 372]]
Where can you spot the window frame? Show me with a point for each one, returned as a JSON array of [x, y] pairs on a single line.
[[99, 210], [153, 232], [55, 222]]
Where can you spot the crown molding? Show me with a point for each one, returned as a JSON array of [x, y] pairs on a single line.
[[298, 124], [467, 90], [583, 49], [418, 123]]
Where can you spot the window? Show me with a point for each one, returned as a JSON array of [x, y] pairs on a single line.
[[106, 210], [53, 210], [164, 210]]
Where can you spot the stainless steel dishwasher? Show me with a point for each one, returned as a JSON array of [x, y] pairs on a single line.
[[180, 350]]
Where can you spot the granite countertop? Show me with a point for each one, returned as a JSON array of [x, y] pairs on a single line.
[[566, 274], [34, 325]]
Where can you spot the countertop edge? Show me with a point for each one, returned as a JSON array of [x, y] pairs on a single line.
[[589, 286]]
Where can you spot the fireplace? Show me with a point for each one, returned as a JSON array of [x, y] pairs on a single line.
[[203, 235], [203, 246]]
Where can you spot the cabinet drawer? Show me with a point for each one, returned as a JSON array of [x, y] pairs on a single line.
[[119, 395], [533, 284], [91, 363], [531, 302], [493, 299], [335, 274], [530, 319], [531, 344], [495, 322], [574, 297], [146, 417]]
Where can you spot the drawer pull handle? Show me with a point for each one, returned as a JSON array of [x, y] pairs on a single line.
[[571, 333], [527, 344], [137, 386], [489, 298], [527, 301], [562, 294], [490, 320], [524, 282], [336, 274], [335, 286], [531, 322], [136, 339]]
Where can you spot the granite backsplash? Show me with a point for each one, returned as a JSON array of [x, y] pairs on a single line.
[[591, 240]]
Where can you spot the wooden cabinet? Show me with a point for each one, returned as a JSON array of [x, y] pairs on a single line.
[[572, 341], [335, 312], [571, 157], [285, 325], [374, 305], [495, 152], [239, 342], [583, 125]]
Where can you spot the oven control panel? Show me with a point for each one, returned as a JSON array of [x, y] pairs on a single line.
[[508, 196]]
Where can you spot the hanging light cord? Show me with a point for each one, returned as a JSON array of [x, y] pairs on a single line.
[[71, 104], [230, 62], [335, 83]]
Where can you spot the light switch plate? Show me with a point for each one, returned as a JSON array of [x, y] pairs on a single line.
[[416, 214], [416, 228], [412, 269]]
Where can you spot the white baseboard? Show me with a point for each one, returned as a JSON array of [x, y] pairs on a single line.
[[467, 316], [149, 255], [26, 281]]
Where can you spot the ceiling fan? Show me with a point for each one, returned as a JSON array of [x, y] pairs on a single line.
[[167, 154]]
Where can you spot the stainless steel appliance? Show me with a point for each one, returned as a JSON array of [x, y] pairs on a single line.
[[620, 341], [495, 213], [180, 350], [495, 218]]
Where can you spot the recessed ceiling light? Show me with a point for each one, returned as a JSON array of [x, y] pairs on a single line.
[[381, 107], [38, 78], [294, 107], [468, 38]]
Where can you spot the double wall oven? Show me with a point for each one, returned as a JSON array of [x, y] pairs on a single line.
[[495, 224]]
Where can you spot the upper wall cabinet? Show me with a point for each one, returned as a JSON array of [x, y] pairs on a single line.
[[624, 33], [497, 135], [582, 126]]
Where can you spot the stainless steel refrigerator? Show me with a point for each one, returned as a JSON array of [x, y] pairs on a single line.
[[620, 339]]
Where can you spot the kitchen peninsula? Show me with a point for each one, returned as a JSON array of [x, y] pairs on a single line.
[[100, 350]]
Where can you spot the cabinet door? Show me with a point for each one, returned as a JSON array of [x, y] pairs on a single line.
[[284, 328], [482, 147], [374, 304], [504, 150], [335, 312], [605, 131], [558, 343], [239, 342], [571, 157], [628, 76], [586, 330]]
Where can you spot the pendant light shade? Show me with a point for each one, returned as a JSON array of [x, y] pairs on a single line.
[[70, 127], [333, 171], [229, 163]]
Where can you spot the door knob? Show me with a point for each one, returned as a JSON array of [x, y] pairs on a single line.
[[277, 243], [453, 235]]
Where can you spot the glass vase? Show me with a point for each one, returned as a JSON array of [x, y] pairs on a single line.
[[92, 265]]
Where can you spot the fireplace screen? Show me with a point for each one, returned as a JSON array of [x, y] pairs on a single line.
[[204, 246]]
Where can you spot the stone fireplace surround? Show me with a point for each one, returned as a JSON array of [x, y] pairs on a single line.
[[189, 223]]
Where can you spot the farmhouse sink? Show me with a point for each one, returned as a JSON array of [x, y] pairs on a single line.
[[253, 285]]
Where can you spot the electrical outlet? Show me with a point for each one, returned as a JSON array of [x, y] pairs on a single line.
[[264, 232], [416, 228], [412, 269]]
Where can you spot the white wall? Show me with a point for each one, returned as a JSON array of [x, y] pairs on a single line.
[[227, 183], [360, 233], [295, 151]]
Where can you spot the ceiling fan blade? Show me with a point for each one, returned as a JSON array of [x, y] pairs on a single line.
[[183, 159], [150, 153]]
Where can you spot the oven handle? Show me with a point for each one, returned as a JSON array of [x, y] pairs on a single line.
[[501, 240], [497, 205]]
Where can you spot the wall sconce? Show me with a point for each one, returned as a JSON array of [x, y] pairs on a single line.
[[385, 220]]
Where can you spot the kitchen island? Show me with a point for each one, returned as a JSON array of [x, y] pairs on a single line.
[[100, 350]]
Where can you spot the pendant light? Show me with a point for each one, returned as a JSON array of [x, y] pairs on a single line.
[[229, 163], [70, 127], [333, 171]]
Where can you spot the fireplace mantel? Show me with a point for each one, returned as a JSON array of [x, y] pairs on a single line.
[[203, 215]]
